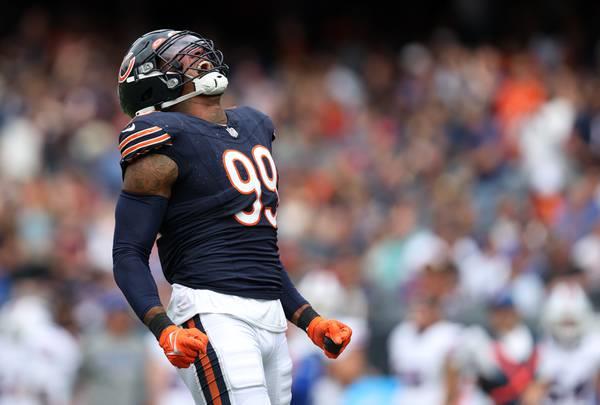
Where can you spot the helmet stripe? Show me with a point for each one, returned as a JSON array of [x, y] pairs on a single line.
[[124, 76]]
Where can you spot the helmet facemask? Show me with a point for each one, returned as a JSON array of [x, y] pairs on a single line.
[[567, 314], [188, 58], [183, 53], [568, 330]]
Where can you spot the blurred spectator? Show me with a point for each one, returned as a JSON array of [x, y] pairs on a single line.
[[115, 360]]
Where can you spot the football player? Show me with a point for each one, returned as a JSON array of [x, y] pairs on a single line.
[[569, 364], [500, 361], [203, 178], [420, 350]]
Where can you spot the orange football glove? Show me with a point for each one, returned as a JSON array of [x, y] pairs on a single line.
[[183, 346], [330, 335]]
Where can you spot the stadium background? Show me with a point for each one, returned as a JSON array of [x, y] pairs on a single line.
[[459, 141]]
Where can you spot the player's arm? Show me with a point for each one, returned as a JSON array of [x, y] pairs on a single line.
[[535, 393], [139, 213], [452, 380], [329, 334]]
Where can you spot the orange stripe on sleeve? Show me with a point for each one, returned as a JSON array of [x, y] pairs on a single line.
[[141, 145], [138, 134]]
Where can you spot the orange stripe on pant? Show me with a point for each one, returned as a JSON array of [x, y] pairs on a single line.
[[208, 374]]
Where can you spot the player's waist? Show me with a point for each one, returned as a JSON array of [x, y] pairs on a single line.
[[263, 313]]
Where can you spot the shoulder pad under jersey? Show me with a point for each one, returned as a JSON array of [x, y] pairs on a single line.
[[143, 134], [258, 118]]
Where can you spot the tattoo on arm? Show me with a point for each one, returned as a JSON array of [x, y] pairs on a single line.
[[151, 175]]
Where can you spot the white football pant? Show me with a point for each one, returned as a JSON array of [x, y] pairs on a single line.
[[244, 365]]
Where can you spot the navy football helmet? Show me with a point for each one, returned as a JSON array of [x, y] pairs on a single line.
[[160, 63]]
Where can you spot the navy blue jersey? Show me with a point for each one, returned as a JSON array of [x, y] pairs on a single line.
[[219, 231]]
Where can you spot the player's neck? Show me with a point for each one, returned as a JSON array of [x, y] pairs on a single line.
[[204, 107]]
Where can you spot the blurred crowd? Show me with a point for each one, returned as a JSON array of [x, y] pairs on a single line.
[[436, 182]]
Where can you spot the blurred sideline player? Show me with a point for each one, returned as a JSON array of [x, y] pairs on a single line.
[[500, 361], [204, 179], [420, 350], [27, 328], [569, 363]]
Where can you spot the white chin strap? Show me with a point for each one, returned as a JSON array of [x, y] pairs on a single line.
[[211, 84]]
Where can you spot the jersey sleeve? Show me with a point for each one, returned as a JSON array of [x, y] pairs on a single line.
[[140, 137]]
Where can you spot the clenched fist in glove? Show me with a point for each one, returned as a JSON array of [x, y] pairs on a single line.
[[183, 346], [330, 335]]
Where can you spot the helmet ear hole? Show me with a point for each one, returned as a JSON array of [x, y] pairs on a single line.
[[147, 95]]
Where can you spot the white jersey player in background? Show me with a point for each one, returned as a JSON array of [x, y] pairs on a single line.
[[28, 331], [569, 363], [500, 362], [419, 350]]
